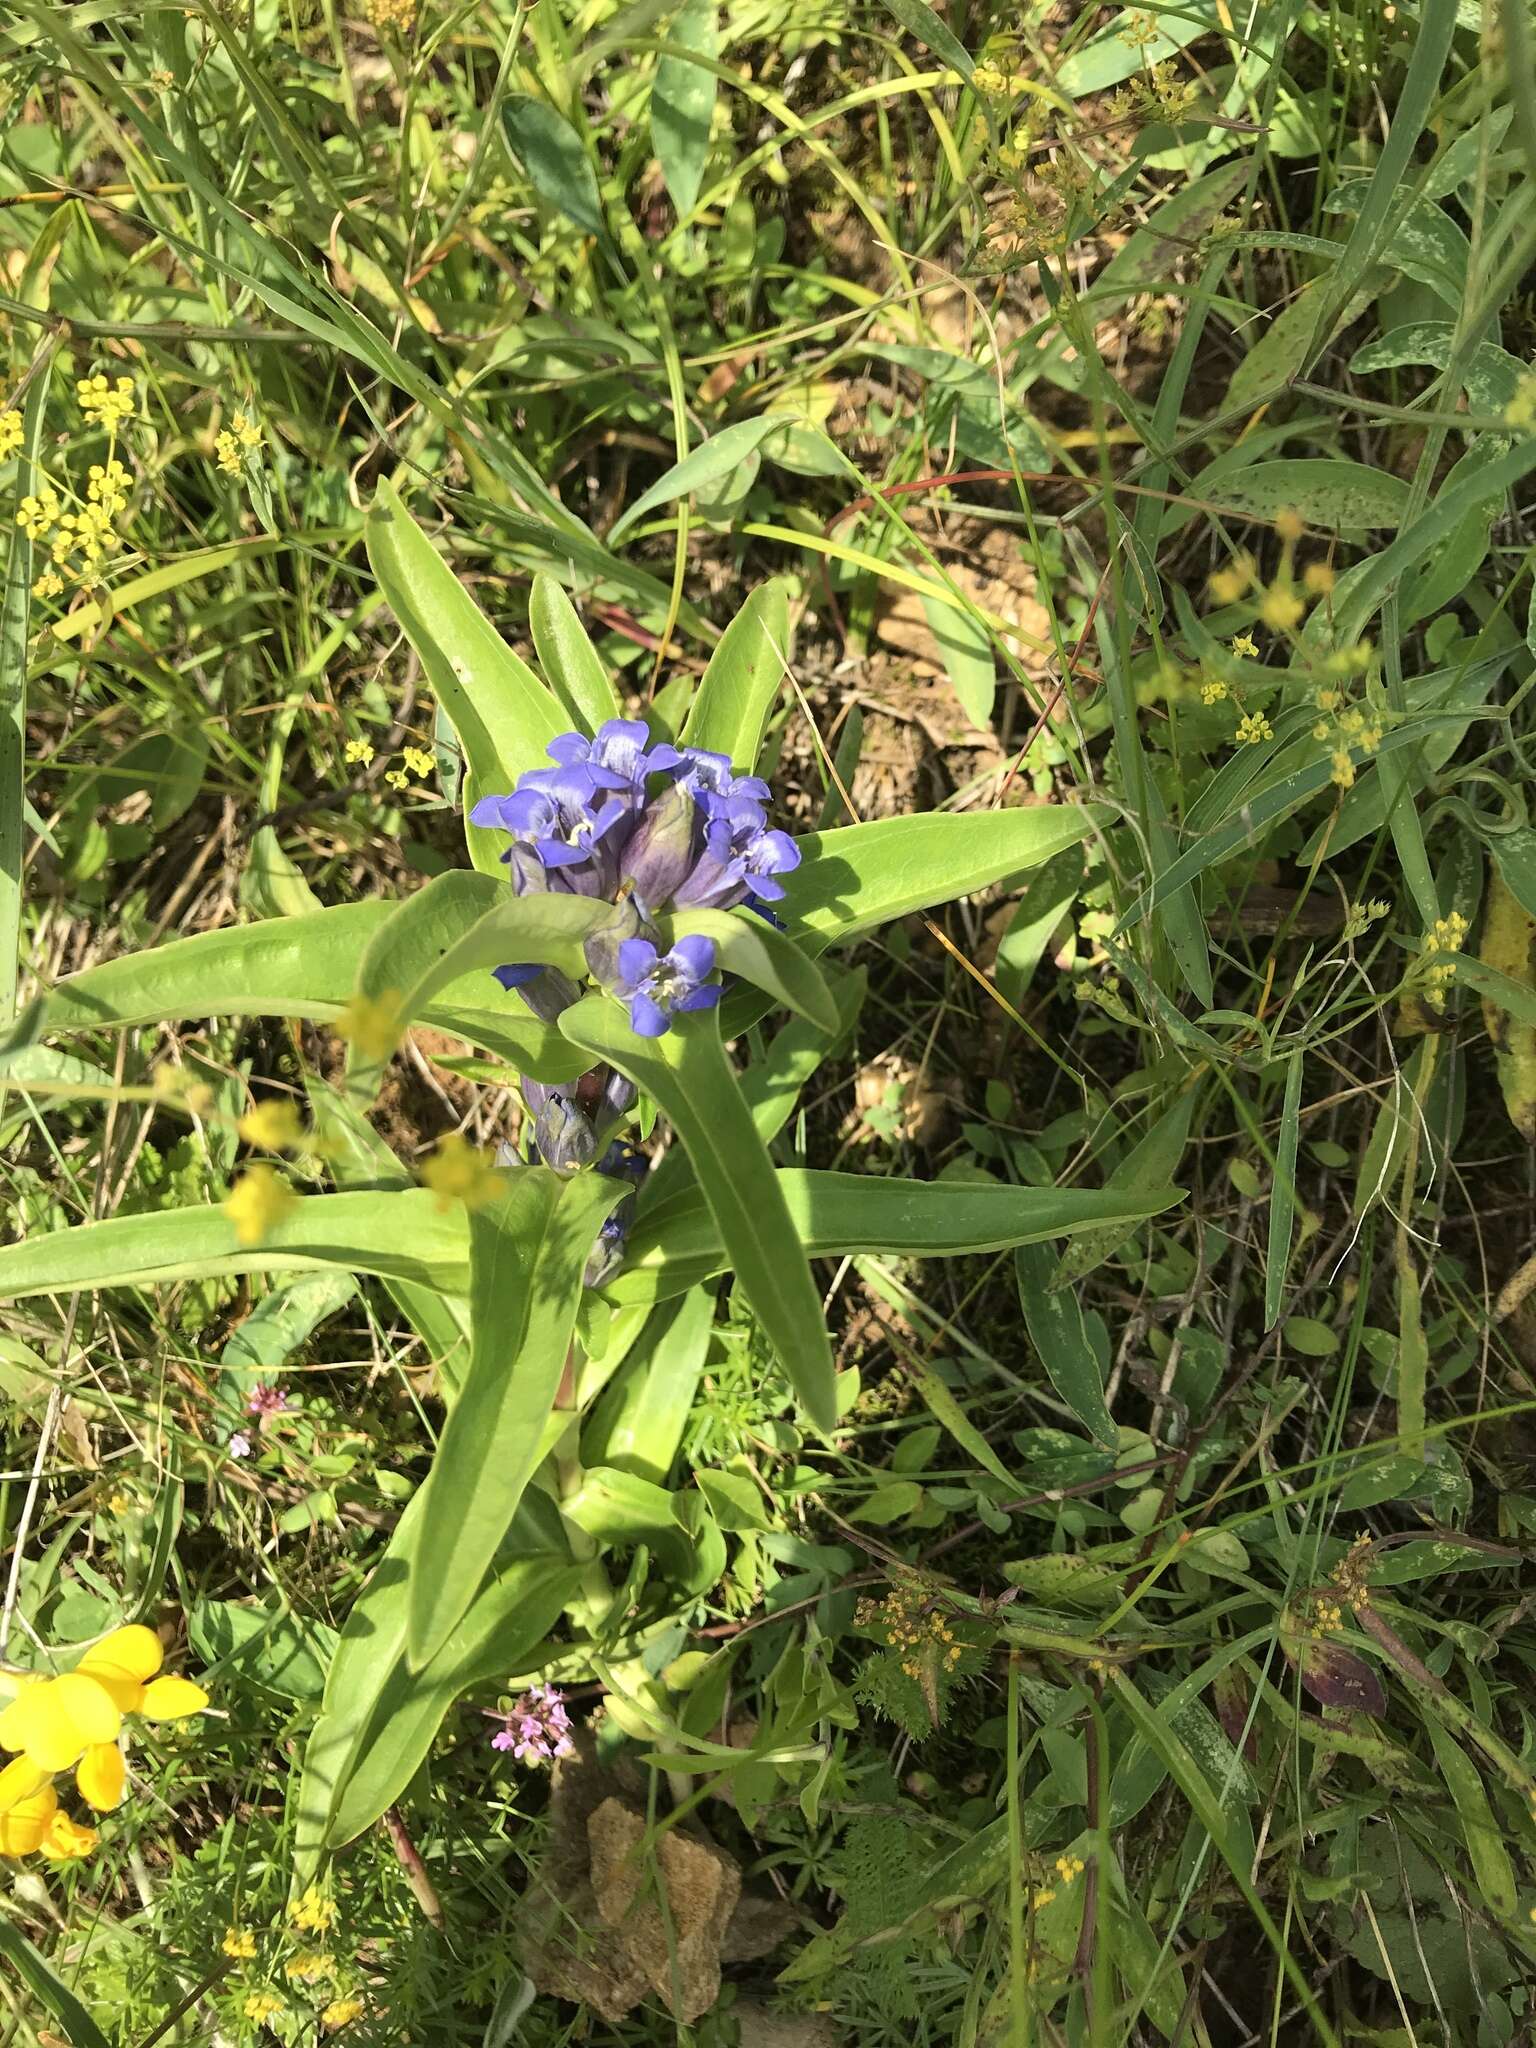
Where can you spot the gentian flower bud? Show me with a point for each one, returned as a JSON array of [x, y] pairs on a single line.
[[663, 847], [563, 1136]]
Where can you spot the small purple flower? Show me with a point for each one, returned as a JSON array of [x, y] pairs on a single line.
[[561, 814], [239, 1444], [537, 1728], [657, 986], [266, 1401]]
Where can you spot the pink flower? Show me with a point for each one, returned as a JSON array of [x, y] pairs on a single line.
[[239, 1444], [267, 1401], [537, 1728]]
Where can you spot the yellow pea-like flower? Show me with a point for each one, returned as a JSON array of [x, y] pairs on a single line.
[[172, 1699], [24, 1825], [102, 1776], [66, 1841]]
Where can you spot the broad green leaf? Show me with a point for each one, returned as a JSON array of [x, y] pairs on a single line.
[[1479, 1830], [50, 1991], [1059, 1332], [747, 946], [527, 1252], [965, 647], [545, 145], [683, 102], [919, 19], [1149, 1165], [1153, 251], [502, 713], [1117, 50], [288, 967], [859, 876], [707, 464], [687, 1074], [406, 1236], [1329, 492], [378, 1718], [571, 664], [264, 1645], [280, 1322], [738, 687], [637, 1424], [678, 1243], [1490, 375]]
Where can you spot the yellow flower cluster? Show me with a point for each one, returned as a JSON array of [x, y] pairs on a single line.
[[240, 1943], [103, 404], [106, 485], [909, 1625], [87, 533], [312, 1913], [1327, 1615], [1252, 728], [371, 1024], [1442, 942], [273, 1124], [1352, 1572], [73, 1722], [461, 1172], [10, 434], [361, 751], [993, 80], [231, 446], [1068, 1869], [418, 762], [399, 15]]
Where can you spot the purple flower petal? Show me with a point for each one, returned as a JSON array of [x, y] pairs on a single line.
[[647, 1017], [637, 959], [695, 955]]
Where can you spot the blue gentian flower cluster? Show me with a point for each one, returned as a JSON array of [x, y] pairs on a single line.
[[650, 828]]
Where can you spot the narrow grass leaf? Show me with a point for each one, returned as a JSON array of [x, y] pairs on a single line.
[[50, 1990], [737, 690], [1282, 1194]]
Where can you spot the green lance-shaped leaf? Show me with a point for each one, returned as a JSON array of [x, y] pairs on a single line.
[[688, 1075], [737, 690], [1151, 1164], [459, 925], [288, 967], [1059, 1332], [859, 876], [502, 713], [378, 1718], [407, 1236], [527, 1253], [53, 1995], [700, 467], [679, 1242], [571, 663], [545, 145], [683, 101]]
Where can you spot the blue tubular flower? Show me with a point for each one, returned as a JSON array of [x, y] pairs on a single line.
[[708, 777], [618, 757], [658, 986], [564, 817], [743, 857]]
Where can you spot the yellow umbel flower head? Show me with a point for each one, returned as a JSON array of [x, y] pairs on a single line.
[[258, 1200], [273, 1124], [459, 1171]]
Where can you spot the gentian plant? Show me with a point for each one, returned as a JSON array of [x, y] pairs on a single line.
[[644, 950]]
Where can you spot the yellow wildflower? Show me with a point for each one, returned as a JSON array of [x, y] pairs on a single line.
[[1289, 524], [273, 1124], [1043, 1898], [309, 1964], [360, 750], [1318, 578], [37, 516], [246, 431], [1212, 690], [1252, 728], [25, 1817], [74, 1719], [989, 78], [226, 453], [107, 485], [1280, 607], [1343, 773], [341, 2012], [67, 1841], [397, 778], [459, 1171], [262, 2005], [106, 405], [258, 1200], [418, 760], [1244, 643], [314, 1910], [240, 1943], [1069, 1867], [372, 1024], [10, 434], [48, 584], [1227, 585]]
